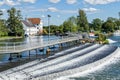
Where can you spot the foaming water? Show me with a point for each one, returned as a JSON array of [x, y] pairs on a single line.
[[68, 65], [111, 41], [106, 71]]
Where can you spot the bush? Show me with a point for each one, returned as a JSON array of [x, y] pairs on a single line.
[[106, 42]]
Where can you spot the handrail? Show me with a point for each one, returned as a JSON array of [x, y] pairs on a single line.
[[15, 47]]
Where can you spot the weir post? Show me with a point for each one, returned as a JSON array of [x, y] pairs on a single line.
[[48, 52], [10, 58], [29, 54], [36, 52]]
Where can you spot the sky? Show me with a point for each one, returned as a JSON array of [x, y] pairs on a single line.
[[61, 10]]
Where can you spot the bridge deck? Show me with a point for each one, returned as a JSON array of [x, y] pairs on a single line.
[[33, 45]]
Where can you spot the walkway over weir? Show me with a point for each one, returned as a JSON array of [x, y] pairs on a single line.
[[21, 47]]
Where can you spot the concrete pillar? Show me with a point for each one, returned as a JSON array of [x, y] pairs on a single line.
[[29, 54], [10, 58], [36, 52]]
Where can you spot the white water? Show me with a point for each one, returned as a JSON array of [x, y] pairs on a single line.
[[38, 61], [111, 41], [114, 59], [59, 64]]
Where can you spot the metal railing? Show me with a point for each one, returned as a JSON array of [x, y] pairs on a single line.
[[13, 47]]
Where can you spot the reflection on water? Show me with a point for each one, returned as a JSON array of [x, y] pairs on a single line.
[[26, 40]]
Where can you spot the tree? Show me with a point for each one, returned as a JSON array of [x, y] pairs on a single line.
[[66, 26], [82, 21], [73, 24], [109, 25], [97, 24], [3, 28], [14, 22], [61, 28]]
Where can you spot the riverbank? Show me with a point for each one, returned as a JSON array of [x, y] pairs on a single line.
[[10, 37]]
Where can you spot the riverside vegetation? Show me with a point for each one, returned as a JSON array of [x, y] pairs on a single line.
[[75, 24]]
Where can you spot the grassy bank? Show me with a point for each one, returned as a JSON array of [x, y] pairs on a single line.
[[9, 37]]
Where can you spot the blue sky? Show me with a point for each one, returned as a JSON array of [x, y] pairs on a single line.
[[61, 10]]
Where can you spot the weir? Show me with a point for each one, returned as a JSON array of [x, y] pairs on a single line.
[[68, 62]]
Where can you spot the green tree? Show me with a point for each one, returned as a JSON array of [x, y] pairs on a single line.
[[61, 28], [66, 26], [14, 22], [73, 24], [117, 22], [3, 28], [109, 25], [97, 24], [82, 21]]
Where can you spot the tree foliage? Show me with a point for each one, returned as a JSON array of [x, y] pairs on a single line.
[[82, 21], [97, 24], [14, 22], [3, 28], [109, 25]]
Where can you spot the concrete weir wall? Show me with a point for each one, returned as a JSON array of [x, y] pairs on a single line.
[[79, 69]]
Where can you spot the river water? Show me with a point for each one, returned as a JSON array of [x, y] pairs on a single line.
[[4, 57], [109, 72]]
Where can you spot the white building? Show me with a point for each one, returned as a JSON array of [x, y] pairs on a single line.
[[33, 26]]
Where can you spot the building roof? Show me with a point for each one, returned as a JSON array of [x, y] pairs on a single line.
[[27, 23], [34, 20]]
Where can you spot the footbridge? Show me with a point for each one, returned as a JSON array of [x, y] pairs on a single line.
[[21, 46]]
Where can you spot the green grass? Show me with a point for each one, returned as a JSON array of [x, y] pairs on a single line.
[[9, 37]]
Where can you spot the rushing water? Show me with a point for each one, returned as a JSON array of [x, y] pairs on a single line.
[[109, 72]]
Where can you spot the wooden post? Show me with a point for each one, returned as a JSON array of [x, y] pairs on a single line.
[[48, 52]]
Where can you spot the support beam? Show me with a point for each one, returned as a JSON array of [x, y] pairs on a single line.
[[10, 58], [36, 52], [29, 54]]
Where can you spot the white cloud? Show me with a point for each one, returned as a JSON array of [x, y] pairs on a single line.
[[54, 1], [13, 2], [29, 1], [94, 2], [9, 2], [71, 1], [90, 9], [52, 9], [69, 11], [37, 10]]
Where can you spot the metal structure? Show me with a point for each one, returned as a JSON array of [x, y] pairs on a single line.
[[20, 47], [49, 27]]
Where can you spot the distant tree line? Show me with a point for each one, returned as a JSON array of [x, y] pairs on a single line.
[[81, 24], [12, 26]]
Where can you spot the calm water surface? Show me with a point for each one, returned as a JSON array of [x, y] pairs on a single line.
[[27, 40]]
